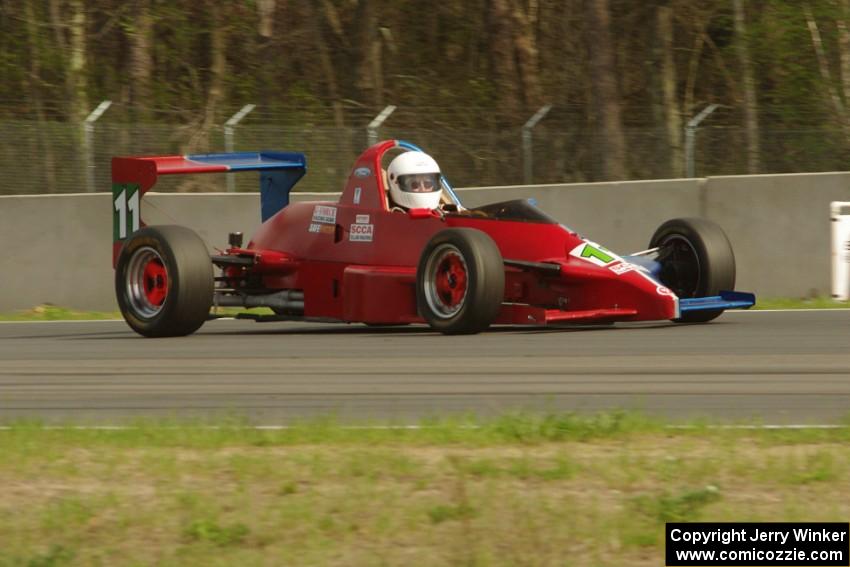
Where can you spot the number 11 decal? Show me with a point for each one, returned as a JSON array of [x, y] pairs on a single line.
[[125, 204]]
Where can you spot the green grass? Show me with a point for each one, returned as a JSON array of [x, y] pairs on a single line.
[[49, 312], [809, 303], [514, 490]]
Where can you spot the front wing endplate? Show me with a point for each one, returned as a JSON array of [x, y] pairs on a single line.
[[726, 300]]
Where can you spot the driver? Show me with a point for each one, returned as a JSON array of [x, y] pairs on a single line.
[[414, 179]]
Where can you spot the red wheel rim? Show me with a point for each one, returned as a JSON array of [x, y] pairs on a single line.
[[446, 281], [146, 283], [451, 280], [156, 282]]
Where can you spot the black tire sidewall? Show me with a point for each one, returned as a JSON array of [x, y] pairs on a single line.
[[714, 253], [190, 281], [485, 281]]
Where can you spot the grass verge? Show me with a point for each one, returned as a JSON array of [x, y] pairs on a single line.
[[809, 303], [48, 312], [516, 490]]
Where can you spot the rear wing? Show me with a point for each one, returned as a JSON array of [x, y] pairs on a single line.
[[132, 177]]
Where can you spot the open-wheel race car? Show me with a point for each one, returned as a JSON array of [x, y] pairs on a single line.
[[365, 259]]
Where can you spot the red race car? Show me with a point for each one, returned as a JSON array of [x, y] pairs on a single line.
[[399, 247]]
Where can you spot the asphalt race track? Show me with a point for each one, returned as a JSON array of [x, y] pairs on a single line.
[[774, 367]]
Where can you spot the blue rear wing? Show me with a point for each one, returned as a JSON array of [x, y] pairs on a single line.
[[279, 172]]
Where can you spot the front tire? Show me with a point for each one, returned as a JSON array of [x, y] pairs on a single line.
[[164, 281], [460, 281], [696, 261]]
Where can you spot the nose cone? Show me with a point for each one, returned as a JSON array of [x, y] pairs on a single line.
[[652, 299]]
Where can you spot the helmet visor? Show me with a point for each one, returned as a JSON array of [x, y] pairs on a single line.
[[419, 182]]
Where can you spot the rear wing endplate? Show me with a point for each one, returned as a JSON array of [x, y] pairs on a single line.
[[132, 177]]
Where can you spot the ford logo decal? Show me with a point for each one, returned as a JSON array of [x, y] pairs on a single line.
[[362, 172]]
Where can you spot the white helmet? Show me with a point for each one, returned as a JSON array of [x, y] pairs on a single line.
[[415, 181]]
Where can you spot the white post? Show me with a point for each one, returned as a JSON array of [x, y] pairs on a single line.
[[526, 142], [840, 249], [690, 137], [228, 138], [372, 128], [88, 141]]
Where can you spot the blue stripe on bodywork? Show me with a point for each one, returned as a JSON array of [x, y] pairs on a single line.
[[651, 265]]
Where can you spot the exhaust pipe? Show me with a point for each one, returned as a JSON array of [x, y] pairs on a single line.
[[286, 300]]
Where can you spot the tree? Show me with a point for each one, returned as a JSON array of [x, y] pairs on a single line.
[[141, 61], [751, 122], [672, 115], [605, 101]]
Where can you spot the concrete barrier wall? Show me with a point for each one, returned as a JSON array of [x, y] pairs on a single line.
[[57, 247], [779, 227]]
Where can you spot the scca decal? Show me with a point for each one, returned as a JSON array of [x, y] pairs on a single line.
[[361, 233]]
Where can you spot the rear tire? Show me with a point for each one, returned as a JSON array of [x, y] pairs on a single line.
[[460, 281], [696, 261], [164, 281]]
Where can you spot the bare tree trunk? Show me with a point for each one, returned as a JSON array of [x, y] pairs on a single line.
[[330, 75], [672, 115], [525, 44], [141, 63], [826, 75], [844, 49], [57, 22], [369, 71], [35, 92], [750, 103], [603, 80], [326, 64], [693, 71], [200, 141], [77, 62], [503, 60], [265, 10]]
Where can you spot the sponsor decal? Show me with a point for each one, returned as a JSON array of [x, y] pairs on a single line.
[[361, 233], [661, 290], [324, 214], [594, 253], [622, 268], [362, 172], [357, 191], [321, 228], [361, 219]]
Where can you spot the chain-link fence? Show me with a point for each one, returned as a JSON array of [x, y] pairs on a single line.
[[53, 157]]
